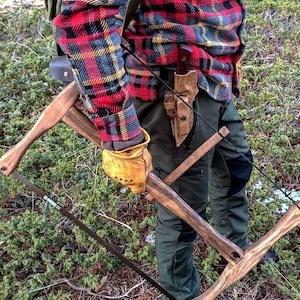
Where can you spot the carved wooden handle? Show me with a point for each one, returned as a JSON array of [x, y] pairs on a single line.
[[253, 254], [53, 113]]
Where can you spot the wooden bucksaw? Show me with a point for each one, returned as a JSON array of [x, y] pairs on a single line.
[[240, 262]]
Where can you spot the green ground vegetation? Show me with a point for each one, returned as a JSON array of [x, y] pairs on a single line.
[[44, 256]]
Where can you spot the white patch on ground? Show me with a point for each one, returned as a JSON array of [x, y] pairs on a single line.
[[285, 202], [150, 239]]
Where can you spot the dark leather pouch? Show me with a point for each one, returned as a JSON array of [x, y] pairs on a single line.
[[60, 69]]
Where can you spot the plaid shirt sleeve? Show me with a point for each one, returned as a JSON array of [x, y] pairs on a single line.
[[89, 32]]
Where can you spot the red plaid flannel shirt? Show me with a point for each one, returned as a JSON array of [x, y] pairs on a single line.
[[89, 33]]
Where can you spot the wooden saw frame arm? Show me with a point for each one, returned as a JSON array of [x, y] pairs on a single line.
[[62, 108]]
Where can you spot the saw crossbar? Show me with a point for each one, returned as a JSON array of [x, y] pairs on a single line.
[[76, 119], [240, 263]]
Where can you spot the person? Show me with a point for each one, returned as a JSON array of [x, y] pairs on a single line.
[[128, 103]]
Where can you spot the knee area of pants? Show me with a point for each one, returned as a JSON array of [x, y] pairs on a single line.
[[240, 169], [187, 234], [187, 237]]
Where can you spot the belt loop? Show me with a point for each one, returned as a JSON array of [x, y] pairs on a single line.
[[164, 74]]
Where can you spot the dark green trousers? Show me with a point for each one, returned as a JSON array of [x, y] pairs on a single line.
[[219, 177]]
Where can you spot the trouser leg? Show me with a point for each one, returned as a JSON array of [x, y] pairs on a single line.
[[175, 238], [175, 263], [231, 169]]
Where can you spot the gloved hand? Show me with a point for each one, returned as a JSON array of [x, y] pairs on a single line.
[[130, 166]]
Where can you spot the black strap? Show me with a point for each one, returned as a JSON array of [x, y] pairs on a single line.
[[130, 11], [53, 7]]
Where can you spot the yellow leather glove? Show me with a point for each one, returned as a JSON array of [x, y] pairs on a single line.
[[130, 166]]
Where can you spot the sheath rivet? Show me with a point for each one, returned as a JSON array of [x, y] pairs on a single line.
[[66, 74]]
